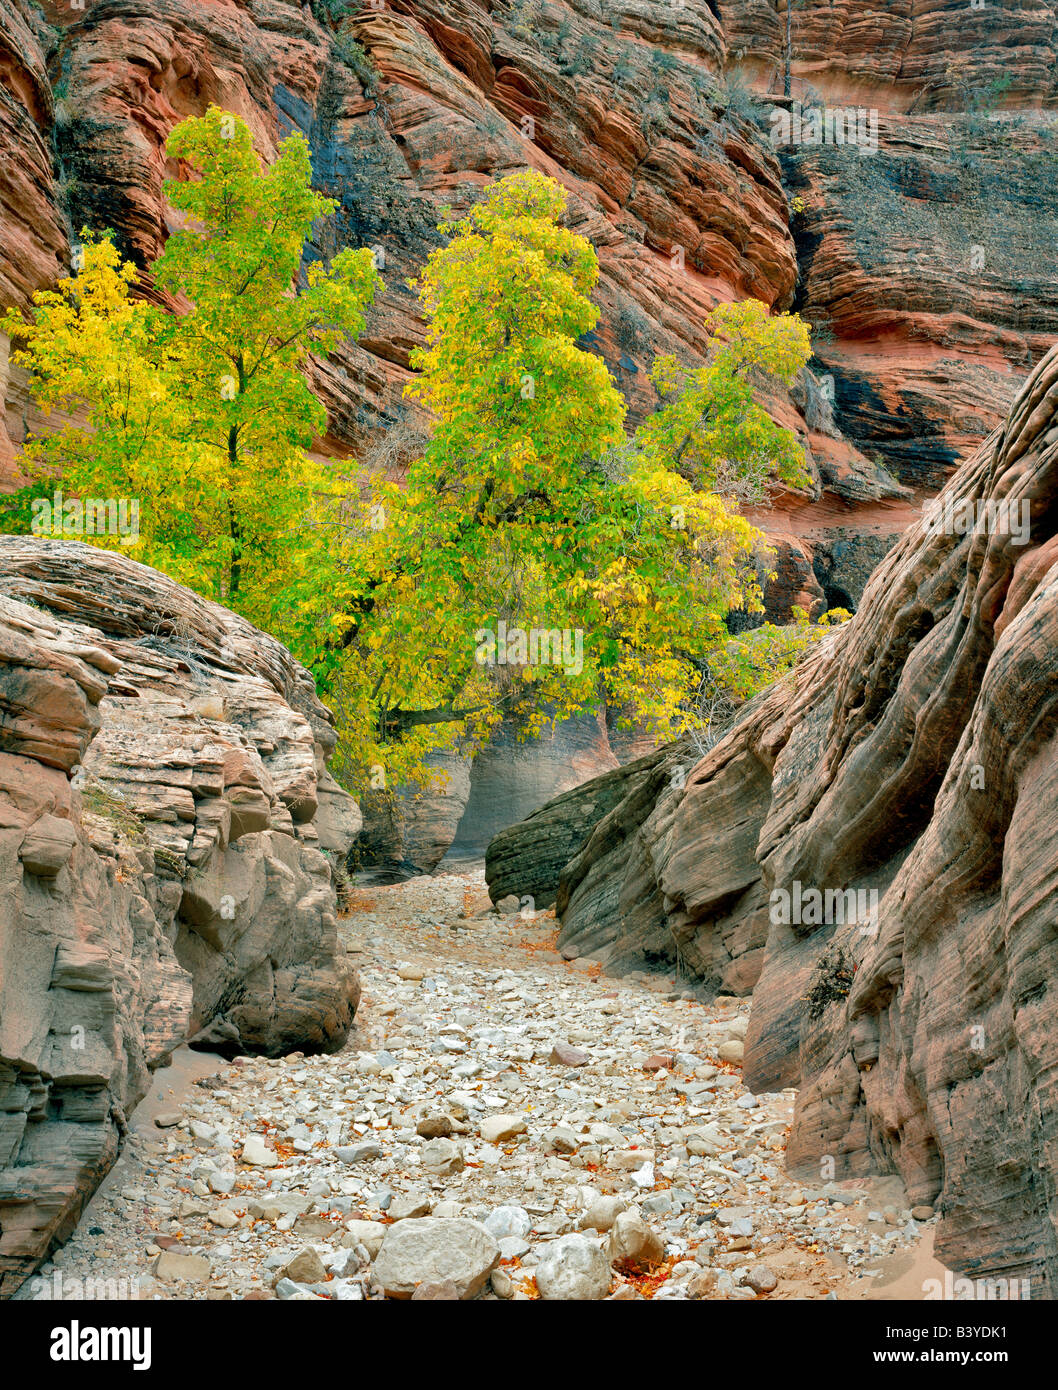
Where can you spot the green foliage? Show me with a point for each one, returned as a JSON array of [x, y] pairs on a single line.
[[709, 427], [527, 504], [204, 415], [16, 508], [624, 71], [734, 97], [356, 57], [530, 506], [742, 666], [524, 19], [582, 58], [332, 11], [663, 62], [123, 821]]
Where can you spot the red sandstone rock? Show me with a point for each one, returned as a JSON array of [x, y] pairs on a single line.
[[669, 174]]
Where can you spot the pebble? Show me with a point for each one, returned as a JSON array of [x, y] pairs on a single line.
[[257, 1152], [442, 1157], [603, 1212], [633, 1242], [760, 1279], [174, 1264], [305, 1268], [498, 1129], [456, 1252], [408, 1205], [434, 1126], [492, 1104], [573, 1268], [508, 1222]]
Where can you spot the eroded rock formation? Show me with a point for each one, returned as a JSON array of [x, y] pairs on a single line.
[[922, 265], [164, 808], [913, 756], [470, 799], [914, 55]]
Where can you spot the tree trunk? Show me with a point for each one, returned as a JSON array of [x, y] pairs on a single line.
[[234, 529]]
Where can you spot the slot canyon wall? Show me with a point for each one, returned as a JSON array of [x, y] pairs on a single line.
[[166, 817], [924, 266], [913, 756]]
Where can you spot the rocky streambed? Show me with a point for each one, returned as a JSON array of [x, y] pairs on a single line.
[[502, 1124]]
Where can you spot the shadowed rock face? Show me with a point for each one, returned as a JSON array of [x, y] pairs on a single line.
[[470, 801], [914, 756], [511, 777], [408, 832], [164, 801], [528, 858], [923, 55]]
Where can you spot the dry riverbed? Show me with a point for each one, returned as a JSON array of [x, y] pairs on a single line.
[[503, 1124]]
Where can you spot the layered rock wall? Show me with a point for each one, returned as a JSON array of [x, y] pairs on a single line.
[[164, 811], [919, 264], [910, 761]]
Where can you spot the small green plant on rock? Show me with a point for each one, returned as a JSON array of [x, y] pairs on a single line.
[[356, 57], [330, 11], [168, 863], [664, 63], [623, 72], [831, 981], [734, 98], [97, 801]]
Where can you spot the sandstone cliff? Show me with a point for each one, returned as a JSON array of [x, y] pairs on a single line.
[[164, 808], [912, 756], [922, 265]]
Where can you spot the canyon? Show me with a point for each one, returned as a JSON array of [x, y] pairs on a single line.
[[175, 855], [923, 267], [906, 760]]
